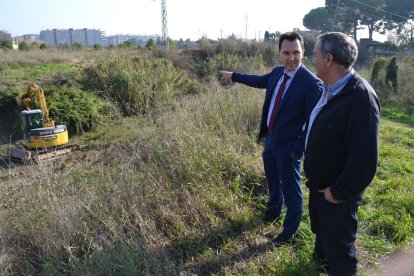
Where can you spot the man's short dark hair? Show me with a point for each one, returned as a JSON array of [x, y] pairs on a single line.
[[291, 36], [341, 46]]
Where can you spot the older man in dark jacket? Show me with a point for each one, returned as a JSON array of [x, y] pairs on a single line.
[[341, 152]]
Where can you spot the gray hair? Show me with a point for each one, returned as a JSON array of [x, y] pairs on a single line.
[[341, 46]]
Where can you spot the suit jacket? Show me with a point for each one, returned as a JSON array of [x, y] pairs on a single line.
[[287, 134], [342, 149]]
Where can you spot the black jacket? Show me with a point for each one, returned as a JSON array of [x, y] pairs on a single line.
[[342, 149]]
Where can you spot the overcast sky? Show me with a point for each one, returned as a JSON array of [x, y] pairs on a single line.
[[186, 18]]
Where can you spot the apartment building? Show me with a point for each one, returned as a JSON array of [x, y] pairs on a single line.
[[5, 35], [86, 37], [135, 39], [28, 38]]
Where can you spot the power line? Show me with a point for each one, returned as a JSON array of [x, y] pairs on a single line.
[[371, 15], [336, 13], [382, 10]]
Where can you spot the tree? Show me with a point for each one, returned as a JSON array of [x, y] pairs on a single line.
[[6, 44], [391, 75], [126, 44], [309, 42], [150, 45], [34, 45], [377, 15], [272, 38], [63, 46], [97, 46], [346, 17], [400, 10], [77, 46], [266, 36], [23, 46], [319, 19], [404, 36], [171, 43], [43, 46]]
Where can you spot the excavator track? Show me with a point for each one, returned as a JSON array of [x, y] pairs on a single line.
[[24, 155]]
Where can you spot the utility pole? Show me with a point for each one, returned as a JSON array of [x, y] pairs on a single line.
[[164, 37], [246, 28], [336, 14]]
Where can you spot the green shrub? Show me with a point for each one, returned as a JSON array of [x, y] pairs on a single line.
[[138, 85], [9, 119], [391, 76], [233, 54], [43, 46], [6, 44], [23, 46], [77, 46], [80, 111], [206, 68], [378, 69], [405, 96], [63, 46], [393, 82], [97, 47]]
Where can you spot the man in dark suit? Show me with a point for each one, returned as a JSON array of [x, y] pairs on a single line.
[[341, 152], [291, 92]]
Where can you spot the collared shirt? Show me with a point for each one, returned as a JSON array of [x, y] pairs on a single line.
[[291, 75], [327, 95]]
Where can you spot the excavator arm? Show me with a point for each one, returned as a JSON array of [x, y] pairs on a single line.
[[24, 99]]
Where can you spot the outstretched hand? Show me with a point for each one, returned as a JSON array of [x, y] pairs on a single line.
[[225, 77]]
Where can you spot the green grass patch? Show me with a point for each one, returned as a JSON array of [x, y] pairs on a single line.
[[22, 74]]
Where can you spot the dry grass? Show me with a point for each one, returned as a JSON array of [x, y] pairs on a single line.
[[180, 191]]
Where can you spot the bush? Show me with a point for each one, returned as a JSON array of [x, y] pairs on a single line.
[[77, 46], [229, 62], [378, 69], [63, 46], [150, 45], [9, 120], [80, 111], [234, 55], [97, 47], [388, 78], [43, 46], [6, 44], [138, 85], [391, 76], [405, 96], [378, 78], [23, 46]]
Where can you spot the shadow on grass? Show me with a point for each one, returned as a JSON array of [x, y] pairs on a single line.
[[214, 266], [191, 249]]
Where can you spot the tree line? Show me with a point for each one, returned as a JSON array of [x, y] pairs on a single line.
[[348, 16]]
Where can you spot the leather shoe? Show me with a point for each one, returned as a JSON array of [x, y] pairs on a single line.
[[282, 239]]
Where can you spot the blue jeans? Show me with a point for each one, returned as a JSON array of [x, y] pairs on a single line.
[[283, 182]]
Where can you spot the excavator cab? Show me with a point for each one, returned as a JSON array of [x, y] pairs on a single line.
[[32, 119]]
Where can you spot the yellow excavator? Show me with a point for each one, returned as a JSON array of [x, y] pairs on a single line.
[[42, 138]]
